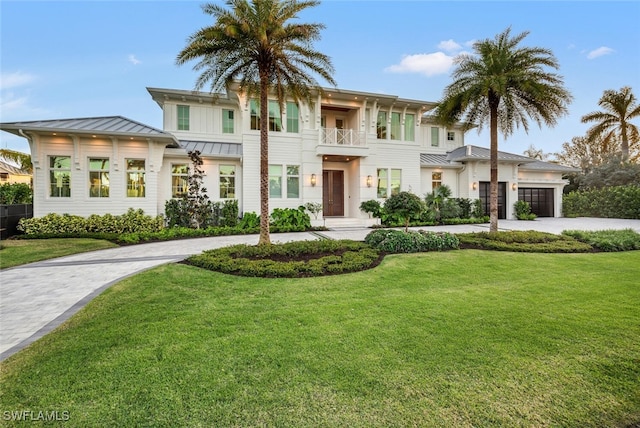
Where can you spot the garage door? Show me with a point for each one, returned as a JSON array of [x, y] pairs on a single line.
[[540, 200], [485, 197]]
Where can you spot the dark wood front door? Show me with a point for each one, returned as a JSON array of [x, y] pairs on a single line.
[[332, 193], [485, 197]]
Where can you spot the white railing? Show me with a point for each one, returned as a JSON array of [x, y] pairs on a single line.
[[341, 137]]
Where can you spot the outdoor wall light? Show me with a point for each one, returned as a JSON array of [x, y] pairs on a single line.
[[369, 178], [475, 186], [313, 180], [514, 186]]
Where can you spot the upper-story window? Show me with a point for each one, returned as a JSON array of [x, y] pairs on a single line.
[[227, 121], [435, 136], [381, 125], [292, 117], [395, 126], [409, 127], [451, 136], [99, 177], [183, 118], [60, 176], [135, 178], [275, 119]]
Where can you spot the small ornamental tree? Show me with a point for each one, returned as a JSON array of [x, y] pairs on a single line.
[[404, 205]]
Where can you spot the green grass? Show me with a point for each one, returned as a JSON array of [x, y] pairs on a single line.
[[17, 252], [460, 338]]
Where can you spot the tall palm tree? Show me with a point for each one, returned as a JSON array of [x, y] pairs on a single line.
[[615, 122], [254, 43], [503, 84]]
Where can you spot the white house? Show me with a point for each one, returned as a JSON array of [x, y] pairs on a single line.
[[344, 148]]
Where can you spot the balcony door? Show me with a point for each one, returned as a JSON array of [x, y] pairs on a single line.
[[333, 193]]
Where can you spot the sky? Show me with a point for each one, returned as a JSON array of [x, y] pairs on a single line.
[[70, 59]]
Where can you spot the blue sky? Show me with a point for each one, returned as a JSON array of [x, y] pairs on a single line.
[[95, 58]]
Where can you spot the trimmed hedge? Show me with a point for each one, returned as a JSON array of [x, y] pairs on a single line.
[[290, 260], [397, 241], [608, 240], [607, 202], [519, 241]]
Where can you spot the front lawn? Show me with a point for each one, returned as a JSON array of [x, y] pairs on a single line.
[[459, 338], [15, 252]]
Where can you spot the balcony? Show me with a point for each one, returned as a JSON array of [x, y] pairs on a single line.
[[345, 142]]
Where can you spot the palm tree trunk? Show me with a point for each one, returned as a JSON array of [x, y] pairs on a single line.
[[493, 196], [625, 143], [264, 160]]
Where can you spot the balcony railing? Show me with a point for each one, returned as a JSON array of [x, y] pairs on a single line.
[[341, 137]]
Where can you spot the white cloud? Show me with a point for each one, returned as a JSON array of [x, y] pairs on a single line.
[[12, 80], [133, 60], [449, 45], [603, 50], [427, 64]]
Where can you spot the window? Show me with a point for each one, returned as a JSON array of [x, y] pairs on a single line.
[[183, 118], [436, 180], [292, 117], [135, 178], [275, 120], [227, 181], [275, 181], [395, 126], [99, 177], [179, 180], [60, 176], [409, 127], [293, 181], [227, 121], [451, 136], [435, 136], [381, 125], [4, 176], [389, 182]]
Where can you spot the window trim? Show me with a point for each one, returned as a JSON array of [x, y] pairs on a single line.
[[232, 178], [53, 169], [179, 175], [228, 123], [142, 172], [182, 118], [101, 187]]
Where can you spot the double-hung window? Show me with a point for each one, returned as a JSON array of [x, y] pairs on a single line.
[[227, 121], [284, 180], [136, 178], [60, 176], [275, 119], [435, 136], [293, 181], [292, 117], [389, 182], [179, 180], [275, 181], [227, 181], [381, 125], [451, 136], [183, 118], [99, 177], [436, 180], [409, 127], [395, 126]]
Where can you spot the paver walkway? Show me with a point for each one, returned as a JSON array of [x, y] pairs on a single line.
[[36, 298]]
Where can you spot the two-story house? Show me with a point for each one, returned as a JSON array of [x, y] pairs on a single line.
[[344, 148]]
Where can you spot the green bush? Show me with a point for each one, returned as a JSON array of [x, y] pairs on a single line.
[[396, 241], [523, 211], [249, 220], [57, 225], [15, 193], [371, 207], [290, 219], [608, 240], [294, 259], [523, 241], [607, 202]]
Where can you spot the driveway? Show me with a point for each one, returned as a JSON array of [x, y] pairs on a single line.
[[36, 298]]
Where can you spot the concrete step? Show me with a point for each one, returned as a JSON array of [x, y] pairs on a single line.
[[348, 223]]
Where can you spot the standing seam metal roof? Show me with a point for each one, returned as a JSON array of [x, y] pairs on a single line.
[[106, 124], [212, 148]]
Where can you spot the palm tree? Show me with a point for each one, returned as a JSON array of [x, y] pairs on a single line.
[[253, 43], [615, 122], [503, 84], [22, 159]]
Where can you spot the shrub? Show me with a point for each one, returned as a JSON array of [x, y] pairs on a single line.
[[523, 241], [15, 193], [371, 207], [293, 259], [608, 240], [607, 202], [249, 220], [396, 241], [290, 219], [314, 208], [404, 205], [71, 225], [523, 211]]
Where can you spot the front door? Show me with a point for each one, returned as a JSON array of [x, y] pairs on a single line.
[[485, 196], [332, 193]]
